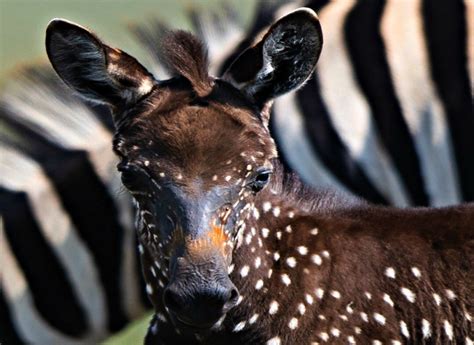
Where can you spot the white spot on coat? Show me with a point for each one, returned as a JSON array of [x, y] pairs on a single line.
[[293, 324], [416, 272], [448, 329], [404, 329], [302, 250], [258, 262], [437, 299], [324, 336], [301, 308], [273, 307], [388, 299], [425, 328], [274, 341], [450, 294], [244, 271], [266, 206], [285, 279], [238, 327], [390, 272], [291, 261], [379, 318], [253, 319], [409, 295]]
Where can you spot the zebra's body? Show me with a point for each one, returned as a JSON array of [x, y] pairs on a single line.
[[68, 265], [328, 140], [400, 134]]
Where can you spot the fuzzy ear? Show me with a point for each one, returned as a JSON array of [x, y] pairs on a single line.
[[282, 61], [97, 72]]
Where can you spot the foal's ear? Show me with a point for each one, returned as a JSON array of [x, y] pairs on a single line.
[[96, 71], [282, 61]]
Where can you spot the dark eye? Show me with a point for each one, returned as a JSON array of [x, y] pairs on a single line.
[[261, 180], [130, 175]]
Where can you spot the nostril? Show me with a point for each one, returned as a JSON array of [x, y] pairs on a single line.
[[171, 300], [232, 301], [234, 295]]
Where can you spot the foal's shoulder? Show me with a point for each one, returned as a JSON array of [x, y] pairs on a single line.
[[445, 227]]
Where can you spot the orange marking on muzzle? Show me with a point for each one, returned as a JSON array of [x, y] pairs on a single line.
[[214, 239]]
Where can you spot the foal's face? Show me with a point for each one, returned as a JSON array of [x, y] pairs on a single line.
[[194, 150], [194, 168]]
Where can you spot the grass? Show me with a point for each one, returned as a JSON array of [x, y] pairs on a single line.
[[132, 334]]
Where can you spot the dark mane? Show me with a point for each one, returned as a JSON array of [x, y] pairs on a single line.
[[185, 55], [289, 186]]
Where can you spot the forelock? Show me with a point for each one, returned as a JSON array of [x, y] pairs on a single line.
[[185, 55]]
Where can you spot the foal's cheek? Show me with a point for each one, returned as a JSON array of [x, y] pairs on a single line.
[[228, 258]]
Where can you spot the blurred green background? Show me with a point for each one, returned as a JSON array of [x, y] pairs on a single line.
[[23, 22], [22, 28]]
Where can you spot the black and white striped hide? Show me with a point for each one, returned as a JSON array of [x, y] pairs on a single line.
[[388, 114]]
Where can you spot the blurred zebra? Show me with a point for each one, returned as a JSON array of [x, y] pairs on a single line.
[[388, 116], [389, 113]]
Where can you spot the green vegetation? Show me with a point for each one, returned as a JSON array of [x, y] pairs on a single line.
[[23, 22], [133, 334]]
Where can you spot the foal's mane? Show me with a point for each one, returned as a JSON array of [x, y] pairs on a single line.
[[185, 55], [289, 186]]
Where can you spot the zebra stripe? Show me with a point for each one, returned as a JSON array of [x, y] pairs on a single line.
[[367, 52], [421, 106], [94, 215], [445, 25], [28, 323], [386, 140], [327, 142], [306, 162], [8, 333], [32, 242], [354, 122], [470, 44], [77, 170]]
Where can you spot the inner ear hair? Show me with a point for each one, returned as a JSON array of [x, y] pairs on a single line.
[[94, 70], [282, 61]]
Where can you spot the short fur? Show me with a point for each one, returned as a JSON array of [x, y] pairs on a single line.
[[231, 255]]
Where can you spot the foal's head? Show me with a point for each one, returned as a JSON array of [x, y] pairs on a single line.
[[194, 150]]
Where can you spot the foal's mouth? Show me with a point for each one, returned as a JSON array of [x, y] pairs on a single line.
[[201, 328]]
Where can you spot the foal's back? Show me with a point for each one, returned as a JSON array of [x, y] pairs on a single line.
[[405, 275]]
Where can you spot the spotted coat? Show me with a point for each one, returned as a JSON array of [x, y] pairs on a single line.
[[237, 251]]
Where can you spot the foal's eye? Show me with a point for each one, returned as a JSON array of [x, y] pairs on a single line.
[[261, 179], [130, 175]]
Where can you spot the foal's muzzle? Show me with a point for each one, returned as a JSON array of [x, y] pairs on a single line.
[[198, 298]]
